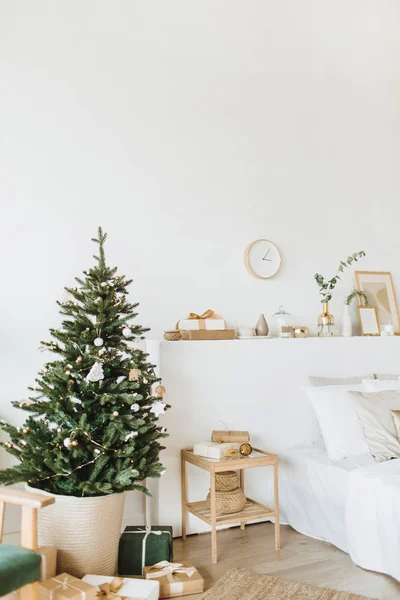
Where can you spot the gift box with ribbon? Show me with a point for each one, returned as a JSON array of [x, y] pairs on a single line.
[[117, 588], [208, 320], [49, 562], [66, 587], [216, 450], [176, 579], [142, 546]]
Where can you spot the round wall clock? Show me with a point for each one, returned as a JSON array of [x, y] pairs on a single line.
[[262, 259]]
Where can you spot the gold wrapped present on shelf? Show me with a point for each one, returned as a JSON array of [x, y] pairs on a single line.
[[209, 320], [66, 587], [227, 435], [205, 334], [176, 579]]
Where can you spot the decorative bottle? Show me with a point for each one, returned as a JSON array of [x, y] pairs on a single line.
[[262, 326], [326, 322], [347, 327]]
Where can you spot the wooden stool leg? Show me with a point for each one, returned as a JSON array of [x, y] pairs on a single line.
[[184, 498], [276, 508], [214, 557], [241, 476]]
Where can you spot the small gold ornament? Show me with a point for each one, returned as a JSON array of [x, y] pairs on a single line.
[[134, 374], [9, 445], [79, 359], [75, 289], [26, 430], [68, 372], [160, 391], [99, 299], [74, 443], [245, 449]]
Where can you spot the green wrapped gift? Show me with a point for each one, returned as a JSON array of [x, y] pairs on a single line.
[[141, 547]]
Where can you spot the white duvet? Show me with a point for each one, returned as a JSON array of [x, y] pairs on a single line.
[[372, 517]]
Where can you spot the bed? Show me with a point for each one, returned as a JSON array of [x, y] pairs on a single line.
[[352, 503]]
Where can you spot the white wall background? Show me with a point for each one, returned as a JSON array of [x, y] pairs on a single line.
[[187, 129]]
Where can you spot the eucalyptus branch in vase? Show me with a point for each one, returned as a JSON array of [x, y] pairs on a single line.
[[326, 321], [326, 286], [354, 294]]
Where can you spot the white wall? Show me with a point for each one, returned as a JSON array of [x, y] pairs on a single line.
[[187, 129]]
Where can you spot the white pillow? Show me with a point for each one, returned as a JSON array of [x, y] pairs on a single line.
[[375, 385], [338, 419], [377, 421]]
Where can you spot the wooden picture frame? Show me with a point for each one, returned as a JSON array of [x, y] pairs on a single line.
[[368, 319], [379, 289]]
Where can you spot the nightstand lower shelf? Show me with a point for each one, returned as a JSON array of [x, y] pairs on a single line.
[[251, 512]]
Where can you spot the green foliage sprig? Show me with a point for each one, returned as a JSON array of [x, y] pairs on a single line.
[[327, 285], [356, 293]]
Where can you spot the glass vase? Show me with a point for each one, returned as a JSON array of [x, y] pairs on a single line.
[[326, 322]]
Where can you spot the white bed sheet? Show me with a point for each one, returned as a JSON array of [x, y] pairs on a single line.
[[314, 492]]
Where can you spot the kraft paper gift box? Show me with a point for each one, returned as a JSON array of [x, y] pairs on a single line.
[[208, 320], [119, 588], [230, 436], [142, 546], [49, 562], [66, 587], [205, 334], [216, 450], [176, 579]]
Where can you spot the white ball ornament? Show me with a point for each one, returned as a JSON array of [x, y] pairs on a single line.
[[145, 380], [103, 284], [97, 451], [115, 413], [67, 442], [126, 332], [135, 407], [98, 341]]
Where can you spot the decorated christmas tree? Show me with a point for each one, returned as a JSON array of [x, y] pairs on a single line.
[[93, 425]]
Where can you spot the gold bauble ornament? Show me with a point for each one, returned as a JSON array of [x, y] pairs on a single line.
[[26, 430], [160, 391], [79, 359], [74, 443], [68, 372], [9, 445], [245, 449]]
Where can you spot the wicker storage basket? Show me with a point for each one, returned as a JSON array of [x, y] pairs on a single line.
[[226, 481], [84, 530], [228, 502]]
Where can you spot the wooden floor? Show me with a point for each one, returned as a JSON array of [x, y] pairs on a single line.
[[300, 559]]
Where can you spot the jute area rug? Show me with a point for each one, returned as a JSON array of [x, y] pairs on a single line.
[[241, 584]]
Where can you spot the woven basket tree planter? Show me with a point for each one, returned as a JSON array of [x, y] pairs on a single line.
[[84, 530]]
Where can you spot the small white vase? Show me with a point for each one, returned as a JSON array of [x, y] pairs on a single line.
[[347, 327]]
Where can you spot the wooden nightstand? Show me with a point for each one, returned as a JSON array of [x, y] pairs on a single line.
[[252, 511]]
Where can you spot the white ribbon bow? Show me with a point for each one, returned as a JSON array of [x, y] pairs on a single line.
[[166, 568]]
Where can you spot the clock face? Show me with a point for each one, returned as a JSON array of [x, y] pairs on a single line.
[[262, 259]]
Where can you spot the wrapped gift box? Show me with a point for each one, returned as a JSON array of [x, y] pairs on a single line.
[[66, 587], [208, 320], [216, 450], [137, 589], [230, 436], [49, 562], [139, 547], [176, 579], [205, 334]]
